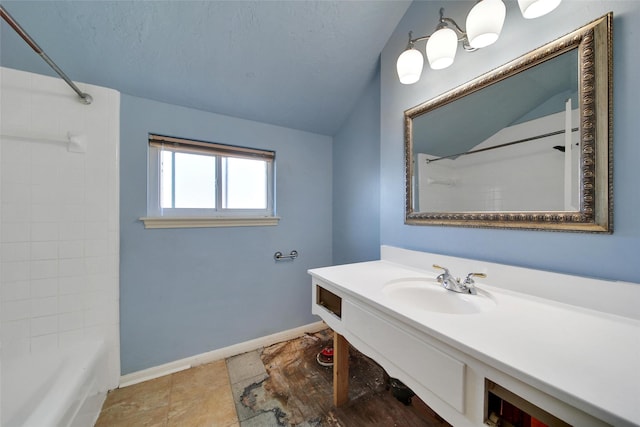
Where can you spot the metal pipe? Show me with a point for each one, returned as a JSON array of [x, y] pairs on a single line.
[[86, 98], [507, 144]]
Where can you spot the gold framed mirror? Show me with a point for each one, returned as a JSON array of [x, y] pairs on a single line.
[[525, 146]]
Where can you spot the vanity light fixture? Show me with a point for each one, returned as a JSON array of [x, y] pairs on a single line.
[[534, 8], [484, 24]]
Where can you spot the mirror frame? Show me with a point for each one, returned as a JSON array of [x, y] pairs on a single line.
[[594, 42]]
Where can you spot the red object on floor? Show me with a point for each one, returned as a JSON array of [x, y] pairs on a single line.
[[325, 357]]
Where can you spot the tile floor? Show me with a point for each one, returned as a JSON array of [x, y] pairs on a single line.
[[281, 385], [200, 396]]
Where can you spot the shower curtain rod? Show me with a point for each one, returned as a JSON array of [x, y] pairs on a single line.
[[86, 98], [506, 144]]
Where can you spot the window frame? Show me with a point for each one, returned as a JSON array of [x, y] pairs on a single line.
[[158, 217]]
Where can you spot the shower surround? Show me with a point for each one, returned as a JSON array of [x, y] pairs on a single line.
[[59, 220]]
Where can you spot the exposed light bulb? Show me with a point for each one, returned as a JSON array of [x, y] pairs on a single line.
[[484, 22], [409, 66], [441, 48], [536, 8]]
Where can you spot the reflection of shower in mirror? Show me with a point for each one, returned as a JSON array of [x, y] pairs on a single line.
[[539, 177]]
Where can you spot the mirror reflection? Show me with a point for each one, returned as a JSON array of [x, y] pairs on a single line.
[[511, 147], [527, 145]]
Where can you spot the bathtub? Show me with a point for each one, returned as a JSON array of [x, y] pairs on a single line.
[[63, 387]]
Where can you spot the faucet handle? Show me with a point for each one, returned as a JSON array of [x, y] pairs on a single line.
[[445, 278], [437, 267], [470, 276], [468, 282]]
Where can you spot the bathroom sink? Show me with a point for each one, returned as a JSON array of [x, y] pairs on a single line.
[[427, 294]]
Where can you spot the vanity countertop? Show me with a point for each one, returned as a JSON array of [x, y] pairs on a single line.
[[584, 357]]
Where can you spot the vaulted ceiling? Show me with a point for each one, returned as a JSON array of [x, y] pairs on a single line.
[[300, 64]]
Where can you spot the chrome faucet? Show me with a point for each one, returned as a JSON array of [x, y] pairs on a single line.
[[453, 284]]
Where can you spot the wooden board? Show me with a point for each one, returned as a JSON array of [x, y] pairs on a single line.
[[340, 370]]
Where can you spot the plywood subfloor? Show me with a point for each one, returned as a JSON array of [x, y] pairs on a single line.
[[297, 391]]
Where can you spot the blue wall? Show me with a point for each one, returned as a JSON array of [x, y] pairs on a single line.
[[189, 291], [356, 181], [607, 256]]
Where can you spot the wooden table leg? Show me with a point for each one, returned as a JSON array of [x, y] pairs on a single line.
[[340, 370]]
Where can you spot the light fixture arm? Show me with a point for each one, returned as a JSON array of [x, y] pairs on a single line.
[[462, 35], [444, 22], [417, 39]]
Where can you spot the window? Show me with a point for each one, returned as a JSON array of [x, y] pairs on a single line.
[[197, 183]]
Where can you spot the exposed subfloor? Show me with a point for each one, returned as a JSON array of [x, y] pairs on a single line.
[[280, 385]]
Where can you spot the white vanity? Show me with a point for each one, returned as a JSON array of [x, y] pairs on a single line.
[[563, 348]]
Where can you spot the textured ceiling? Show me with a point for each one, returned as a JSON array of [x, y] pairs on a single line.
[[299, 64]]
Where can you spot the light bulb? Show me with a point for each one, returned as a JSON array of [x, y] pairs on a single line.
[[441, 48], [535, 8], [409, 66], [484, 22]]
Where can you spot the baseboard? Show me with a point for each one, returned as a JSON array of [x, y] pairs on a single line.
[[222, 353]]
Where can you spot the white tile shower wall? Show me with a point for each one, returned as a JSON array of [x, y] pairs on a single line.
[[537, 178], [476, 182], [59, 226]]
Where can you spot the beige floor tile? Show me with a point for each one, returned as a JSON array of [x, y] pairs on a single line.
[[155, 390], [151, 397], [200, 396], [213, 406], [203, 377], [150, 418]]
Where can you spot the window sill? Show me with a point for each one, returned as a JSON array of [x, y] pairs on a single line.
[[207, 222]]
